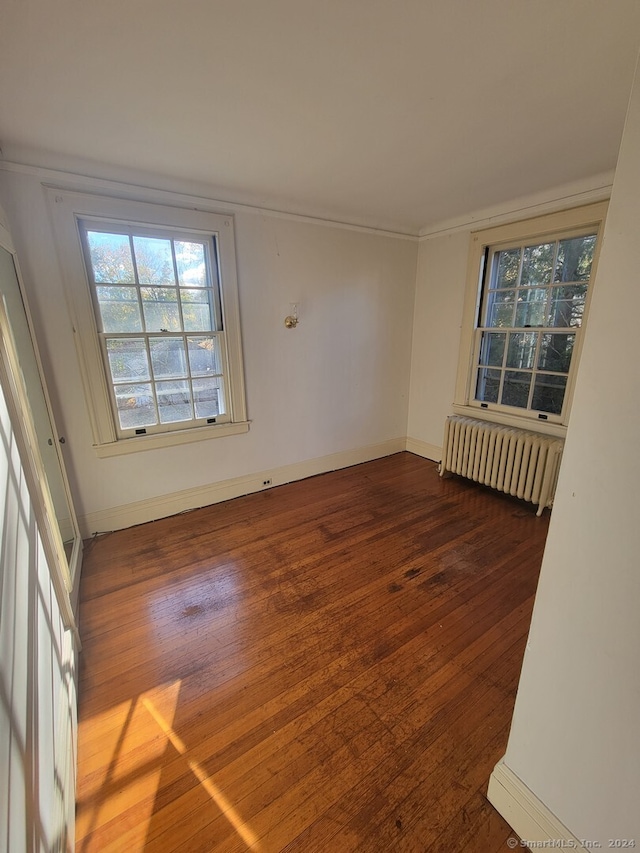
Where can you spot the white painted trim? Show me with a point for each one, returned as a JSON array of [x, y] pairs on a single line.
[[70, 182], [24, 433], [497, 417], [140, 512], [6, 240], [576, 194], [549, 224], [593, 189], [67, 209], [530, 818], [424, 449], [168, 439], [5, 237]]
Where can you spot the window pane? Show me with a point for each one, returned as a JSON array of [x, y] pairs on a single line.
[[508, 266], [119, 309], [500, 309], [492, 348], [174, 401], [136, 406], [110, 257], [168, 358], [531, 308], [488, 385], [160, 305], [567, 305], [575, 257], [548, 393], [522, 350], [533, 303], [153, 260], [537, 264], [158, 315], [204, 356], [208, 397], [515, 391], [127, 359], [555, 352], [190, 260], [196, 310]]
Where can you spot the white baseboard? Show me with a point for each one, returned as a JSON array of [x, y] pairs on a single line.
[[523, 811], [423, 448], [139, 512]]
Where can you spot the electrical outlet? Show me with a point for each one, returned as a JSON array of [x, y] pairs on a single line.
[[267, 482]]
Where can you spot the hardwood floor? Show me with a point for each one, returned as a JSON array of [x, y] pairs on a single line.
[[329, 665]]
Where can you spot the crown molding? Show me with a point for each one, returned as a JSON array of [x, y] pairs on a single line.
[[71, 181], [576, 194]]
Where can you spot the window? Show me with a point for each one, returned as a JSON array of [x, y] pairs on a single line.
[[157, 305], [154, 295], [531, 310], [530, 292]]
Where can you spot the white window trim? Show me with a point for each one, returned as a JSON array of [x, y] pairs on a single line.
[[67, 209], [592, 215], [24, 432]]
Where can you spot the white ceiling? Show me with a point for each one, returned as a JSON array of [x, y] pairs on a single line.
[[397, 114]]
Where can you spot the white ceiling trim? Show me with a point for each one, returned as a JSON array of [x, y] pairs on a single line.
[[575, 194], [70, 181]]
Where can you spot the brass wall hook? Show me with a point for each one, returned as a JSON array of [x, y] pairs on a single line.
[[291, 321]]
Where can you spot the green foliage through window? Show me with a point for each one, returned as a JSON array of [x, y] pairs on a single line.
[[159, 318], [532, 308]]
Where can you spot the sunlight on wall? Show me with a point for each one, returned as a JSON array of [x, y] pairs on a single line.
[[37, 676]]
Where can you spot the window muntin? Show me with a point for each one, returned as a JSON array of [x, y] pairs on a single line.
[[156, 297], [531, 311]]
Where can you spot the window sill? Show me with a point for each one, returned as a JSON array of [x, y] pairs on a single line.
[[531, 424], [168, 439]]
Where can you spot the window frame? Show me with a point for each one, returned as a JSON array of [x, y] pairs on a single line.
[[133, 230], [554, 226], [69, 210], [30, 461]]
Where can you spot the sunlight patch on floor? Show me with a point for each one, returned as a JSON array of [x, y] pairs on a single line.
[[249, 838], [132, 774]]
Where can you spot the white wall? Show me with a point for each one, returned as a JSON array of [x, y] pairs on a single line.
[[574, 741], [440, 288], [337, 384], [37, 677]]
